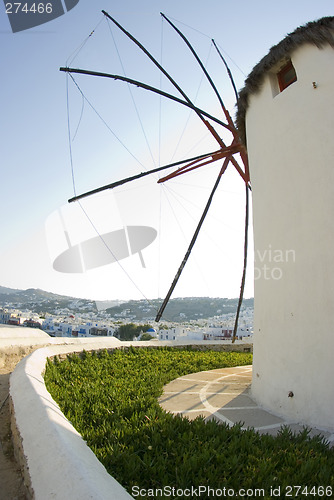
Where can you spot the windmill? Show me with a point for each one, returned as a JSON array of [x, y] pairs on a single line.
[[285, 115], [224, 152]]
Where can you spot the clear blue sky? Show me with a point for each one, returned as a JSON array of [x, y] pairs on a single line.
[[36, 178]]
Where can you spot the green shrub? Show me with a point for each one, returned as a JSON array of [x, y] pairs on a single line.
[[111, 399]]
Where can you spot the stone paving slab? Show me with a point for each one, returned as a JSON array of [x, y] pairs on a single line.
[[224, 395], [181, 385], [181, 401], [230, 401], [251, 417]]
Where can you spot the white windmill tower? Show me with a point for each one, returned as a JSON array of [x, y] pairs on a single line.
[[285, 114]]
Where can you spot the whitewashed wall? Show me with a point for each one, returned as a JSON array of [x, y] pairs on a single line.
[[290, 139]]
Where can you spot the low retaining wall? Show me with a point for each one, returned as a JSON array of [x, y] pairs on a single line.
[[55, 460]]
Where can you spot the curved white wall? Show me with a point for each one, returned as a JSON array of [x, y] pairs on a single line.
[[55, 460], [290, 140], [57, 464]]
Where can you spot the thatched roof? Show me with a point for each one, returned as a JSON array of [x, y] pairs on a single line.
[[318, 33]]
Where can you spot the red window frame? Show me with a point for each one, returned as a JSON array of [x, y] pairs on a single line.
[[284, 79]]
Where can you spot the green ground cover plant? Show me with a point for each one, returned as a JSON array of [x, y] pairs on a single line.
[[112, 400]]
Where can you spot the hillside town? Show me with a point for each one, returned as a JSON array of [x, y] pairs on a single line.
[[64, 323]]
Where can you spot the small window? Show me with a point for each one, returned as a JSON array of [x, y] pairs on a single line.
[[286, 76]]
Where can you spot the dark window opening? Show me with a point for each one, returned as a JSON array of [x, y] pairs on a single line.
[[286, 76]]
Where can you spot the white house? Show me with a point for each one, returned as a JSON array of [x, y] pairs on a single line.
[[181, 333], [286, 118], [4, 316], [208, 333], [64, 330], [48, 325], [70, 328], [102, 331], [218, 333]]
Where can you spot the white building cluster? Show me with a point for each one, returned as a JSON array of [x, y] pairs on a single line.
[[211, 332], [57, 326], [71, 328], [68, 325]]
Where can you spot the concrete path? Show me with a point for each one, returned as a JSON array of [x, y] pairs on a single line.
[[224, 395]]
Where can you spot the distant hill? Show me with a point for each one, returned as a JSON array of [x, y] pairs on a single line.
[[178, 310], [6, 290], [38, 301]]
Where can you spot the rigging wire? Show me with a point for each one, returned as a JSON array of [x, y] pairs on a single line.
[[105, 123], [190, 113], [168, 189], [80, 118], [190, 27], [69, 136], [162, 69], [76, 52], [160, 88], [159, 161], [70, 140], [85, 212], [145, 137], [186, 41], [247, 186], [209, 37], [235, 64], [112, 185], [131, 94], [176, 196], [187, 102], [73, 177], [228, 71], [229, 120], [243, 279], [111, 252], [235, 134], [195, 145], [194, 238], [70, 60]]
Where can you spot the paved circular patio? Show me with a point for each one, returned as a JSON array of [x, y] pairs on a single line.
[[224, 395]]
